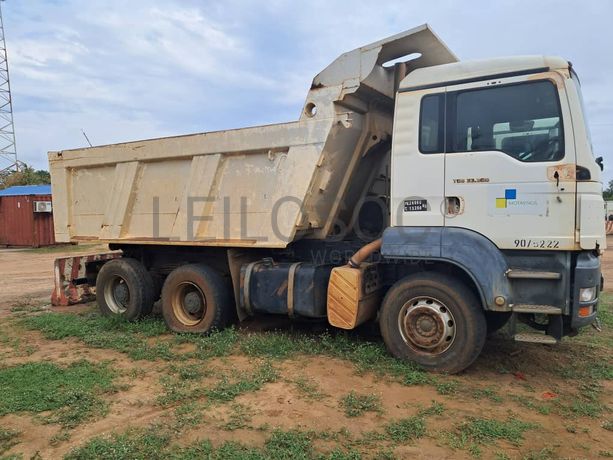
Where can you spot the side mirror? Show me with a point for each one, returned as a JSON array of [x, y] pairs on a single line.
[[600, 163]]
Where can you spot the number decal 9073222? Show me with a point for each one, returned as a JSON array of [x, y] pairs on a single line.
[[537, 244]]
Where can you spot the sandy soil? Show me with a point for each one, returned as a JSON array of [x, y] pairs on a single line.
[[27, 274]]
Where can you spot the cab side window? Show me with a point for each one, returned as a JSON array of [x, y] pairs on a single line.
[[432, 124], [522, 120]]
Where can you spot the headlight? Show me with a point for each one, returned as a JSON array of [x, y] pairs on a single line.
[[587, 294]]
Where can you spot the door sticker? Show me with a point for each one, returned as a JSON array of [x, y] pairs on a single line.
[[512, 201]]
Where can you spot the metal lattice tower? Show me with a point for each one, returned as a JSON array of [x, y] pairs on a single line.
[[8, 148]]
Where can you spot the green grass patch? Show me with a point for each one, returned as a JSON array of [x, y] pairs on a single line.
[[449, 387], [215, 344], [355, 404], [476, 431], [308, 388], [73, 392], [187, 414], [134, 444], [138, 341], [154, 443], [229, 388], [435, 408], [487, 393], [176, 390], [8, 439], [111, 332], [240, 417], [406, 429]]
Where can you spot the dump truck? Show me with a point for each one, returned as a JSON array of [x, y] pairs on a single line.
[[443, 199]]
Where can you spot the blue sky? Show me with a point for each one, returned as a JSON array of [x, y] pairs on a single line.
[[127, 70]]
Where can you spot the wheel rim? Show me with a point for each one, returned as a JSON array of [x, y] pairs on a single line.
[[189, 303], [427, 325], [117, 295]]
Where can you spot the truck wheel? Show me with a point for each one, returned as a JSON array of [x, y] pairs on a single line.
[[124, 287], [434, 320], [196, 299]]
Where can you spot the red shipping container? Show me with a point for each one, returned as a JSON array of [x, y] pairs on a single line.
[[26, 216]]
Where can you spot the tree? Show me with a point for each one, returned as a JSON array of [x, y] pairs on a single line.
[[608, 192], [25, 176]]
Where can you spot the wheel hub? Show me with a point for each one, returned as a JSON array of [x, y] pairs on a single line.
[[193, 303], [117, 295], [189, 304], [427, 325], [121, 293]]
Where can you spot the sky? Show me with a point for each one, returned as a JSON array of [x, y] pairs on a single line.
[[129, 70]]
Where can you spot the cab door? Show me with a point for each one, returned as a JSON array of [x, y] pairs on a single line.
[[510, 162], [418, 160]]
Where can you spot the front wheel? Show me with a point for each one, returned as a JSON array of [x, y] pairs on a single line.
[[433, 320]]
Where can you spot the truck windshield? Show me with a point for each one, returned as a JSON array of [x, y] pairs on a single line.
[[522, 120]]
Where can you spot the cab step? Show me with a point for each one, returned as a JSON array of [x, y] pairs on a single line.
[[535, 338], [536, 309], [514, 273]]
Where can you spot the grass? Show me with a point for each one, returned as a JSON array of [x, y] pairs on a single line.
[[108, 332], [435, 408], [240, 417], [72, 393], [8, 439], [478, 431], [406, 429], [135, 339], [355, 404], [227, 388], [308, 388], [154, 443], [487, 393], [194, 382], [446, 388]]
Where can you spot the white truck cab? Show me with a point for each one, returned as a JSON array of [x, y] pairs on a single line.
[[493, 172]]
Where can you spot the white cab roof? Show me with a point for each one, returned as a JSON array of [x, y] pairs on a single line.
[[462, 70]]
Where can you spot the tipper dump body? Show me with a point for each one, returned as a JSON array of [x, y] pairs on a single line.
[[263, 186]]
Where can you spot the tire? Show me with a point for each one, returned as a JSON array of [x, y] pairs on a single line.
[[433, 320], [124, 287], [496, 321], [196, 299]]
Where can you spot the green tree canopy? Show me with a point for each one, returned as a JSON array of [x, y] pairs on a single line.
[[25, 176]]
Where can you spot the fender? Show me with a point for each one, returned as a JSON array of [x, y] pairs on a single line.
[[474, 253]]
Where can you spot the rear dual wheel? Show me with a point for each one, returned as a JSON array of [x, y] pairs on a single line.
[[196, 299], [125, 288], [434, 320]]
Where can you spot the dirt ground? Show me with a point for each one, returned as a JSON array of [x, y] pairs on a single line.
[[28, 274], [509, 380]]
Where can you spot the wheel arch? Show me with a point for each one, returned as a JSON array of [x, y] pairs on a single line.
[[463, 253]]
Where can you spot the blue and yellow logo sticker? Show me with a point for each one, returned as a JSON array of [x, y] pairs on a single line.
[[509, 194]]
